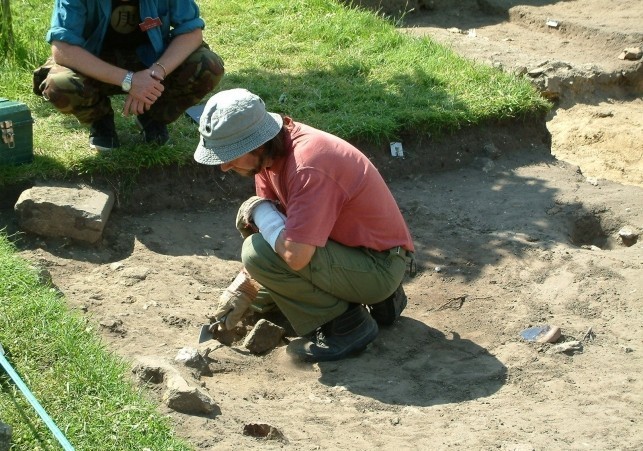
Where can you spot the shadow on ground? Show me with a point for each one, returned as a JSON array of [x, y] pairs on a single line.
[[429, 368]]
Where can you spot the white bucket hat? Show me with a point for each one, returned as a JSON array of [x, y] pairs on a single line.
[[233, 123]]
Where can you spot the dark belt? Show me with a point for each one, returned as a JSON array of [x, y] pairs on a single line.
[[407, 255]]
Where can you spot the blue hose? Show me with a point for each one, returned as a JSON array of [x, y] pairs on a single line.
[[34, 402]]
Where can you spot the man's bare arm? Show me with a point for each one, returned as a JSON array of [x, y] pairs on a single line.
[[296, 255], [179, 49], [80, 60]]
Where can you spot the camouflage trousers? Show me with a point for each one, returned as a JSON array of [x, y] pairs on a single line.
[[89, 99]]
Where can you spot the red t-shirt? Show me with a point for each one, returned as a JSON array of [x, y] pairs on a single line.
[[329, 190]]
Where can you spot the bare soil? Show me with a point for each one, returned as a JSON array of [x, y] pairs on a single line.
[[515, 225]]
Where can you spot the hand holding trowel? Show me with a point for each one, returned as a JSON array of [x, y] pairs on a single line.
[[233, 305]]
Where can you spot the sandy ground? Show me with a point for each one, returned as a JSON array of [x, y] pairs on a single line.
[[521, 239]]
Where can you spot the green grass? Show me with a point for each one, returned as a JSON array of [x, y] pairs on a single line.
[[341, 69], [79, 383]]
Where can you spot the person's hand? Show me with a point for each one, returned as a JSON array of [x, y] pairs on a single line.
[[146, 89], [134, 106], [244, 222], [235, 300]]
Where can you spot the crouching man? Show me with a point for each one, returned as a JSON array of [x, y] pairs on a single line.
[[323, 235]]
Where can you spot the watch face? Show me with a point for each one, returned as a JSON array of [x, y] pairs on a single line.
[[126, 85]]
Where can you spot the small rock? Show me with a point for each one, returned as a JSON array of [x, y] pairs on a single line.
[[191, 400], [116, 266], [568, 347], [191, 358], [5, 436], [551, 23], [604, 114], [263, 431], [631, 53], [263, 337], [537, 72], [628, 236]]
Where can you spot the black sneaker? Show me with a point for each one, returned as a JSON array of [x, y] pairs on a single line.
[[154, 132], [347, 334], [102, 134], [390, 309]]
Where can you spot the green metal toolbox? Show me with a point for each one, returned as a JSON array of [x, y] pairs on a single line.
[[16, 133]]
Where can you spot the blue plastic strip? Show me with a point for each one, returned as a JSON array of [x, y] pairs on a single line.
[[34, 402]]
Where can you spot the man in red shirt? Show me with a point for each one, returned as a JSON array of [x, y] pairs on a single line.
[[332, 246]]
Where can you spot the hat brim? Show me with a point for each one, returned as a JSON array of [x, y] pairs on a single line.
[[210, 154]]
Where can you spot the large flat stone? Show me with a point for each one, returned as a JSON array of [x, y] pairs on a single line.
[[77, 212]]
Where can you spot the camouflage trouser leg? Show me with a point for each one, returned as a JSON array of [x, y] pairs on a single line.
[[88, 99], [199, 74], [73, 93]]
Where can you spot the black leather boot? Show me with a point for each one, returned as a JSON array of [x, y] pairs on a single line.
[[390, 309], [102, 134], [154, 132], [347, 334]]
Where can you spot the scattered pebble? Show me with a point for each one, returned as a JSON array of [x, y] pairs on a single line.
[[568, 347]]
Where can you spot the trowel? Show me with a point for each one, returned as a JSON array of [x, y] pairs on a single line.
[[261, 305], [205, 333]]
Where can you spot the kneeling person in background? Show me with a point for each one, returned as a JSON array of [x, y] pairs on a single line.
[[151, 51]]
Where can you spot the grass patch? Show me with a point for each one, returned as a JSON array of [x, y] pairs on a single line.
[[342, 69], [82, 386]]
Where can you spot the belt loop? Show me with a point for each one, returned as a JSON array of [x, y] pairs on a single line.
[[413, 269]]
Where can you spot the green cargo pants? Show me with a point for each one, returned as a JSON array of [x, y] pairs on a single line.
[[88, 99], [337, 275]]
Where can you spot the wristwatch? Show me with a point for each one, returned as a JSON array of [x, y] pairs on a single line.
[[126, 84]]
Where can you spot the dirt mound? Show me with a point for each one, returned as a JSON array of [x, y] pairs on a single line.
[[570, 51]]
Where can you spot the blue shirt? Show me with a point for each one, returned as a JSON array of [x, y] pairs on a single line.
[[84, 23]]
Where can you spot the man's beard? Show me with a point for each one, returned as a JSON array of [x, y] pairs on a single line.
[[257, 169]]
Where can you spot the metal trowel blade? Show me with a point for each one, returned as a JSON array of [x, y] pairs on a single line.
[[205, 334]]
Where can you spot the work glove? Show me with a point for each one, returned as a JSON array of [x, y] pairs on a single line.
[[235, 300], [244, 222]]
